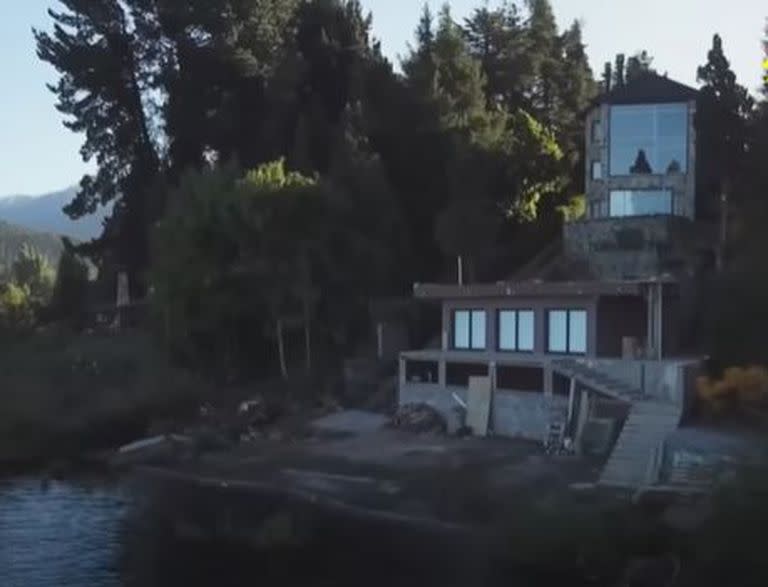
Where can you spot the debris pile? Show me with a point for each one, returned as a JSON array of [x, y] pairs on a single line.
[[419, 419]]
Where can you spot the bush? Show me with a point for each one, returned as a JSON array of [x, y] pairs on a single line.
[[739, 389], [16, 311], [62, 394], [70, 290]]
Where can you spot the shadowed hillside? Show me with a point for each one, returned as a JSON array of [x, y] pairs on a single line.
[[44, 214]]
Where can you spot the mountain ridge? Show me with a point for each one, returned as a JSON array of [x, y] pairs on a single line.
[[44, 213]]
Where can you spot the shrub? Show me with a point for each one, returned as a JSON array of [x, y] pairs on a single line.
[[740, 388]]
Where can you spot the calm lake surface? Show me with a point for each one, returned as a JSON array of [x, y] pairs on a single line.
[[66, 534], [104, 533]]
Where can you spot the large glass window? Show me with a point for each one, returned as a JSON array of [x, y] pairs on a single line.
[[640, 202], [516, 330], [652, 138], [567, 331], [597, 170], [469, 329]]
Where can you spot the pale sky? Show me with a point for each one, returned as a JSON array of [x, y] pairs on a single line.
[[37, 154]]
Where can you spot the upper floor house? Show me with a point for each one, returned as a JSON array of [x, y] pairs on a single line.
[[641, 183], [641, 151]]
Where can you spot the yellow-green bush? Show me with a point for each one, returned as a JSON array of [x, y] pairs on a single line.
[[739, 387]]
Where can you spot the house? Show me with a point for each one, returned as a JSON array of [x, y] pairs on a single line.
[[586, 345]]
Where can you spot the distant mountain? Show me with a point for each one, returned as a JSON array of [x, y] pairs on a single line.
[[44, 214], [13, 238]]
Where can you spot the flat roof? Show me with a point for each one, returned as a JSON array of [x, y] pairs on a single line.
[[534, 288]]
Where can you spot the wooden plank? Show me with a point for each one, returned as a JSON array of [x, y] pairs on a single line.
[[479, 405]]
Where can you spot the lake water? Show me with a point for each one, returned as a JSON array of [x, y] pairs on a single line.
[[62, 534], [100, 533]]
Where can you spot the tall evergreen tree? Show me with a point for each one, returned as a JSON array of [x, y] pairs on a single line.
[[544, 55], [105, 89], [497, 40], [724, 108], [577, 87], [618, 71]]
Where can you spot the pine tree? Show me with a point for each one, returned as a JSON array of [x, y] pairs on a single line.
[[618, 71], [544, 55], [103, 90], [724, 108], [496, 39]]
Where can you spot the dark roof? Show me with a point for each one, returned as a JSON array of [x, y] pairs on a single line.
[[441, 291], [649, 88]]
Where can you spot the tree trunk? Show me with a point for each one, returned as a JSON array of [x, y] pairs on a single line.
[[307, 336], [281, 349]]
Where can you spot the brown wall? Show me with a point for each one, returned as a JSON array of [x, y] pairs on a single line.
[[620, 316], [539, 307]]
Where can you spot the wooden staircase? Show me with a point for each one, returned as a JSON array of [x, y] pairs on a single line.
[[595, 379], [635, 459]]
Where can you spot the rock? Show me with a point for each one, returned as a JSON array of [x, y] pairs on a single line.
[[419, 419]]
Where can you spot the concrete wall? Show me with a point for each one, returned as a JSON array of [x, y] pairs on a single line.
[[633, 248], [663, 380], [514, 414], [524, 415], [682, 185]]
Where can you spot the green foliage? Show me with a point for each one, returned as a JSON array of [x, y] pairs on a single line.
[[238, 259], [16, 309], [61, 394], [575, 209], [70, 290], [33, 272], [104, 84], [722, 121], [14, 238]]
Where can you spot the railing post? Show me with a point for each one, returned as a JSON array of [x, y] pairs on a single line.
[[441, 373]]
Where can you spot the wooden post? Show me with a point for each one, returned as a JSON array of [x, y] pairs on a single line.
[[660, 322], [281, 349], [380, 340], [571, 401]]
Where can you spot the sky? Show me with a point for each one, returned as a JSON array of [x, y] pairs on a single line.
[[39, 155]]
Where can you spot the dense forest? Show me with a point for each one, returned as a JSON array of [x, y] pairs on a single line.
[[271, 171]]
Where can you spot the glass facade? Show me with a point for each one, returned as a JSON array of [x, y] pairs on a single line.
[[567, 331], [469, 329], [649, 139], [640, 203], [516, 330]]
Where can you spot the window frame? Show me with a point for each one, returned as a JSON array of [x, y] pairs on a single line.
[[568, 312], [470, 312], [516, 312], [666, 192], [655, 108], [593, 176]]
